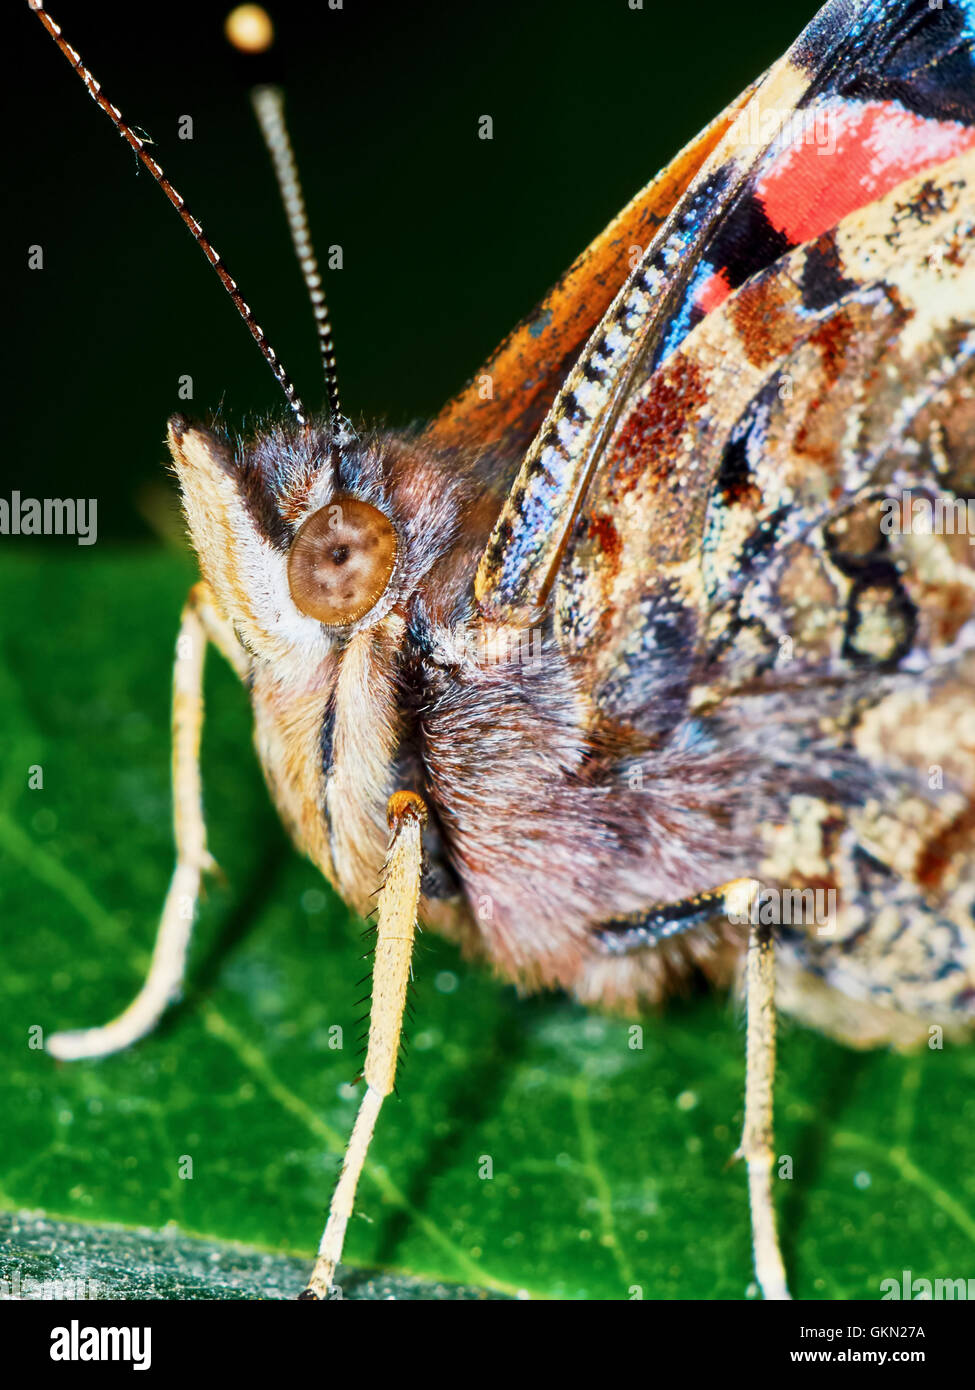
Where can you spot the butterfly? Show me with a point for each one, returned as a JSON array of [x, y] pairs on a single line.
[[654, 652]]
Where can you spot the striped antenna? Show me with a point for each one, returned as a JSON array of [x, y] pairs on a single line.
[[269, 108], [204, 243]]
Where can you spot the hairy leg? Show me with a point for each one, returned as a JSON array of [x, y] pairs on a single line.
[[199, 624], [757, 1136], [391, 974]]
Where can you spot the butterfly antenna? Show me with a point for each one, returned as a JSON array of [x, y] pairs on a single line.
[[269, 108], [138, 145]]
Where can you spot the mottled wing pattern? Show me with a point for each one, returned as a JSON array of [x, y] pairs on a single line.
[[890, 92], [732, 576], [870, 93], [742, 568]]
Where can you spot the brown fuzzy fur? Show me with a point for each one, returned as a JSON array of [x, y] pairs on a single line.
[[533, 815]]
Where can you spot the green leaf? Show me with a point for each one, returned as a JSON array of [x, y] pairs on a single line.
[[609, 1162], [45, 1259]]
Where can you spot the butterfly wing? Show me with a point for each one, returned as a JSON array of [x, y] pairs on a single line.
[[870, 94], [743, 569], [837, 373]]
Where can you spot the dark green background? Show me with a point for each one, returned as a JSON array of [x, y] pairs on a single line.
[[609, 1163]]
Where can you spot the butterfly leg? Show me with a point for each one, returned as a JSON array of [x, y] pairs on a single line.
[[757, 1139], [199, 623], [396, 926]]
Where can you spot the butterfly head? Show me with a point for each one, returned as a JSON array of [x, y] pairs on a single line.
[[307, 534]]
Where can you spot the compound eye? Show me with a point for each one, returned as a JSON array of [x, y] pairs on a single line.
[[340, 561]]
